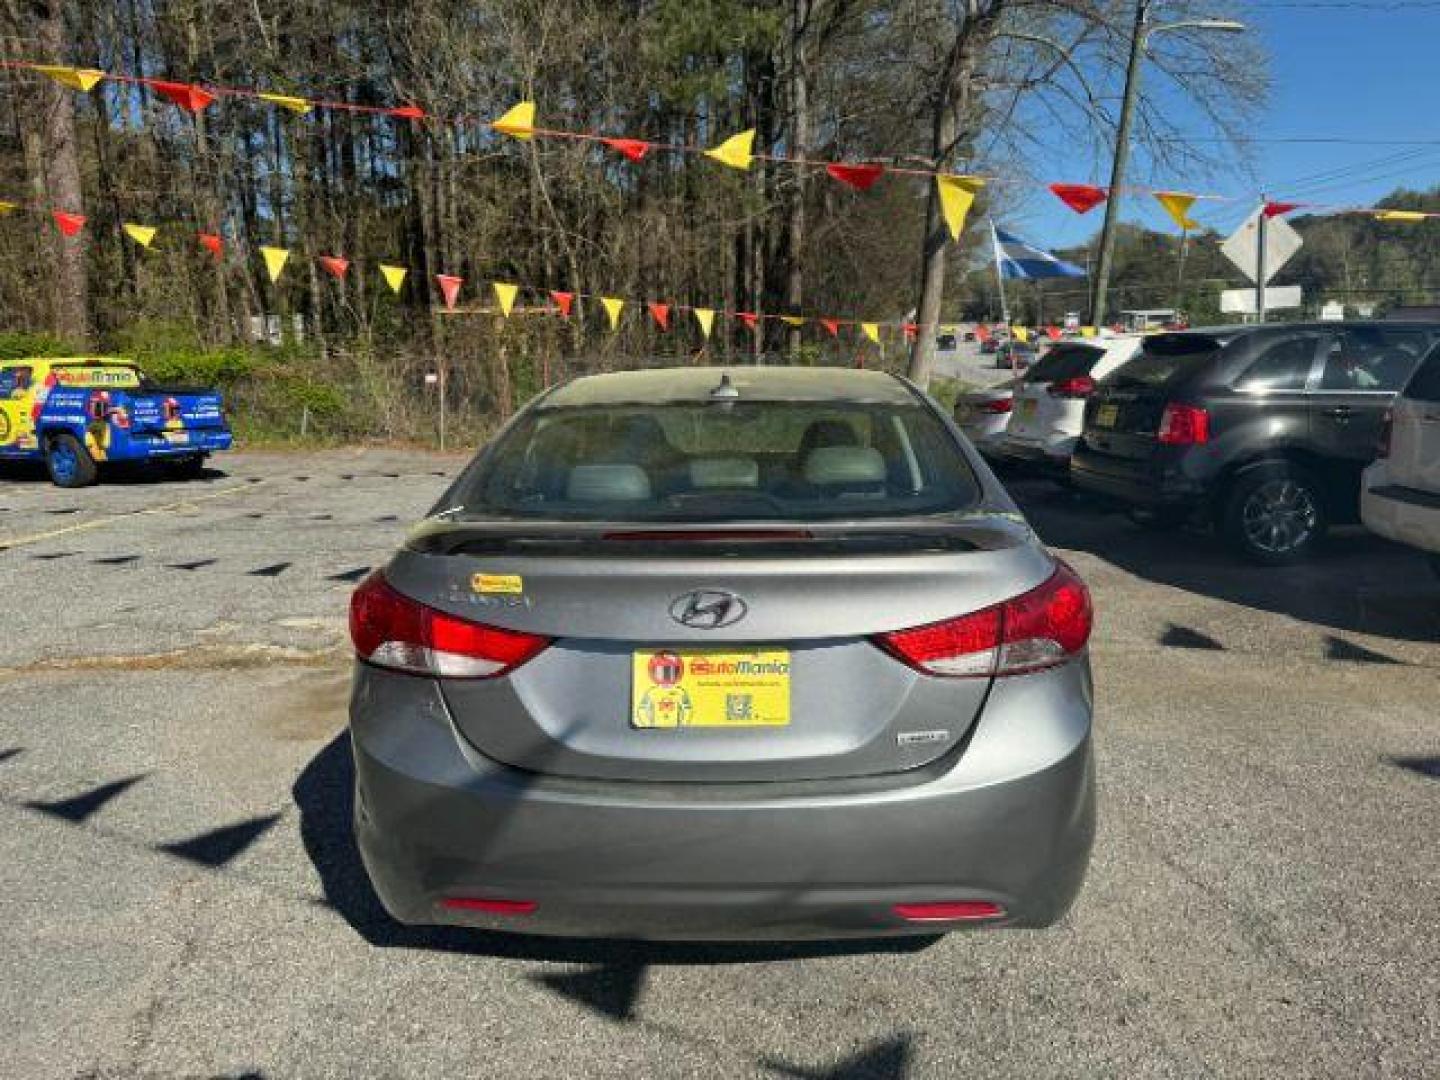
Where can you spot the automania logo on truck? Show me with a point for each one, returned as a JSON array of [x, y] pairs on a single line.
[[701, 666]]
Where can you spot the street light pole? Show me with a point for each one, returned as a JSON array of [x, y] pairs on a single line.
[[1117, 166]]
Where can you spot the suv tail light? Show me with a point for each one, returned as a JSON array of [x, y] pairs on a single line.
[[1081, 386], [998, 406], [1036, 630], [1387, 429], [392, 631], [1183, 425]]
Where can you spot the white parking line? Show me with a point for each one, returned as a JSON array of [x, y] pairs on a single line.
[[7, 542]]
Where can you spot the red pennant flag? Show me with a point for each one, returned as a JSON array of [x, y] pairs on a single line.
[[1277, 209], [336, 265], [982, 333], [563, 300], [212, 243], [634, 149], [186, 95], [911, 329], [407, 112], [661, 314], [1053, 333], [749, 318], [1082, 198], [833, 325], [449, 288], [859, 177], [69, 224]]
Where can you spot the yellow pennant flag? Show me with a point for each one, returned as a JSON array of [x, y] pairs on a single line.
[[1177, 204], [143, 235], [505, 293], [8, 207], [519, 121], [1087, 331], [1020, 334], [613, 307], [394, 276], [706, 318], [957, 195], [298, 105], [1399, 215], [82, 79], [275, 259], [734, 151], [792, 320], [871, 330]]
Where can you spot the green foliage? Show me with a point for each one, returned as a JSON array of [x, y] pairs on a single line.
[[19, 344], [170, 352]]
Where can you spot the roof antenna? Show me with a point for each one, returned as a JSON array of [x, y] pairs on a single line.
[[726, 390]]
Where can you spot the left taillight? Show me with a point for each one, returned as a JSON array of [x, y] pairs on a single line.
[[1081, 386], [1033, 631], [390, 630]]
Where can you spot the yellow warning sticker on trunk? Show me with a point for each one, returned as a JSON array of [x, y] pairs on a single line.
[[489, 584], [675, 688]]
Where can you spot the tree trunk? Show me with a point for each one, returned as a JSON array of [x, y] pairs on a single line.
[[800, 13]]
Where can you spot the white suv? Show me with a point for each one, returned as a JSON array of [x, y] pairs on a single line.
[[1400, 493], [1049, 406]]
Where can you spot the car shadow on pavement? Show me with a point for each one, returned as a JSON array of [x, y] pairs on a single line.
[[1356, 582], [117, 473], [325, 796]]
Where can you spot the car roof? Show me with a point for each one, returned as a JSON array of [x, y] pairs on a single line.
[[1234, 330], [695, 384]]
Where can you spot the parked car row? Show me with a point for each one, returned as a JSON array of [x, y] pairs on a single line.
[[1261, 431]]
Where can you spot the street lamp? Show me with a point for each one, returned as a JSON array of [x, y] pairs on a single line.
[[1139, 42]]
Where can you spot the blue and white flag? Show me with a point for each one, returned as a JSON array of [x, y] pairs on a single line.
[[1017, 259]]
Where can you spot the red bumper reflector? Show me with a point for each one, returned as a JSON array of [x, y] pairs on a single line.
[[950, 911], [488, 906]]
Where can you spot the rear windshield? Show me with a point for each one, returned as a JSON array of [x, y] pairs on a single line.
[[1064, 362], [1164, 359], [747, 460]]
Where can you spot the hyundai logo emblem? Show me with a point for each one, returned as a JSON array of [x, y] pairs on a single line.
[[707, 609]]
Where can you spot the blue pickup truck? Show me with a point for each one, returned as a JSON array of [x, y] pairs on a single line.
[[75, 413]]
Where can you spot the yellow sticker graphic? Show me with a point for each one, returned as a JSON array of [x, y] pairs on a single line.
[[490, 584], [675, 688]]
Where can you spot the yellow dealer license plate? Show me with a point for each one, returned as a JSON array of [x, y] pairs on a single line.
[[1105, 415], [688, 688]]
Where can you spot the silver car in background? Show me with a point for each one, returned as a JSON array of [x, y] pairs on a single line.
[[691, 654]]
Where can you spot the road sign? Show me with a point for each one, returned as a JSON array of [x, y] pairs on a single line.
[[1243, 246], [1242, 301]]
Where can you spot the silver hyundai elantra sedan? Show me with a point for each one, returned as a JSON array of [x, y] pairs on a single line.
[[703, 654]]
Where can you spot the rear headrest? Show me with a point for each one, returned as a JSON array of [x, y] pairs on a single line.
[[845, 465], [729, 472], [607, 483], [826, 433]]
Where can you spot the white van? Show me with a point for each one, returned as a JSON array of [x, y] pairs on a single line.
[[1400, 492], [1049, 406]]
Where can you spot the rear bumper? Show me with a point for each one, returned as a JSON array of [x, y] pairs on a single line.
[[145, 446], [1148, 482], [1011, 820], [1405, 515], [1049, 455]]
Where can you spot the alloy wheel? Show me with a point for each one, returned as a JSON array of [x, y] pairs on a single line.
[[1279, 517]]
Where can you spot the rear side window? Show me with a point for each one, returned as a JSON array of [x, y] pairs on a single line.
[[1284, 365], [1373, 358], [1064, 362], [755, 460], [1165, 359], [1425, 386], [15, 380]]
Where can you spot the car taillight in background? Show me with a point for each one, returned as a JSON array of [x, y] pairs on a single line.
[[1039, 629], [997, 407], [390, 630], [1081, 386], [1387, 429], [1183, 425]]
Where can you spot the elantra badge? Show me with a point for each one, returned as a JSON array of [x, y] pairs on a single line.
[[707, 609]]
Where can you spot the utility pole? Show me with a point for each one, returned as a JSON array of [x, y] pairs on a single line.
[[1117, 166], [1260, 262]]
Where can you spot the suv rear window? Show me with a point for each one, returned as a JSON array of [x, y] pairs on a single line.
[[1064, 362], [755, 460], [1425, 386], [1163, 359]]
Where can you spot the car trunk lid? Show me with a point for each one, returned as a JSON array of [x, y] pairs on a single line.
[[1123, 415]]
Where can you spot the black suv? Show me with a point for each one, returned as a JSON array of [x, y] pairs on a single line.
[[1263, 429]]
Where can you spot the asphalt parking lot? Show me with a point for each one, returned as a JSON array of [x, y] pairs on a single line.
[[181, 896]]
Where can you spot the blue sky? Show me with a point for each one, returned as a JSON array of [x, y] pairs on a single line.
[[1365, 74]]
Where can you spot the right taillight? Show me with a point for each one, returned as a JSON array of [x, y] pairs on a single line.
[[1038, 629], [1081, 386], [1183, 425], [1387, 428], [392, 631], [998, 406]]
